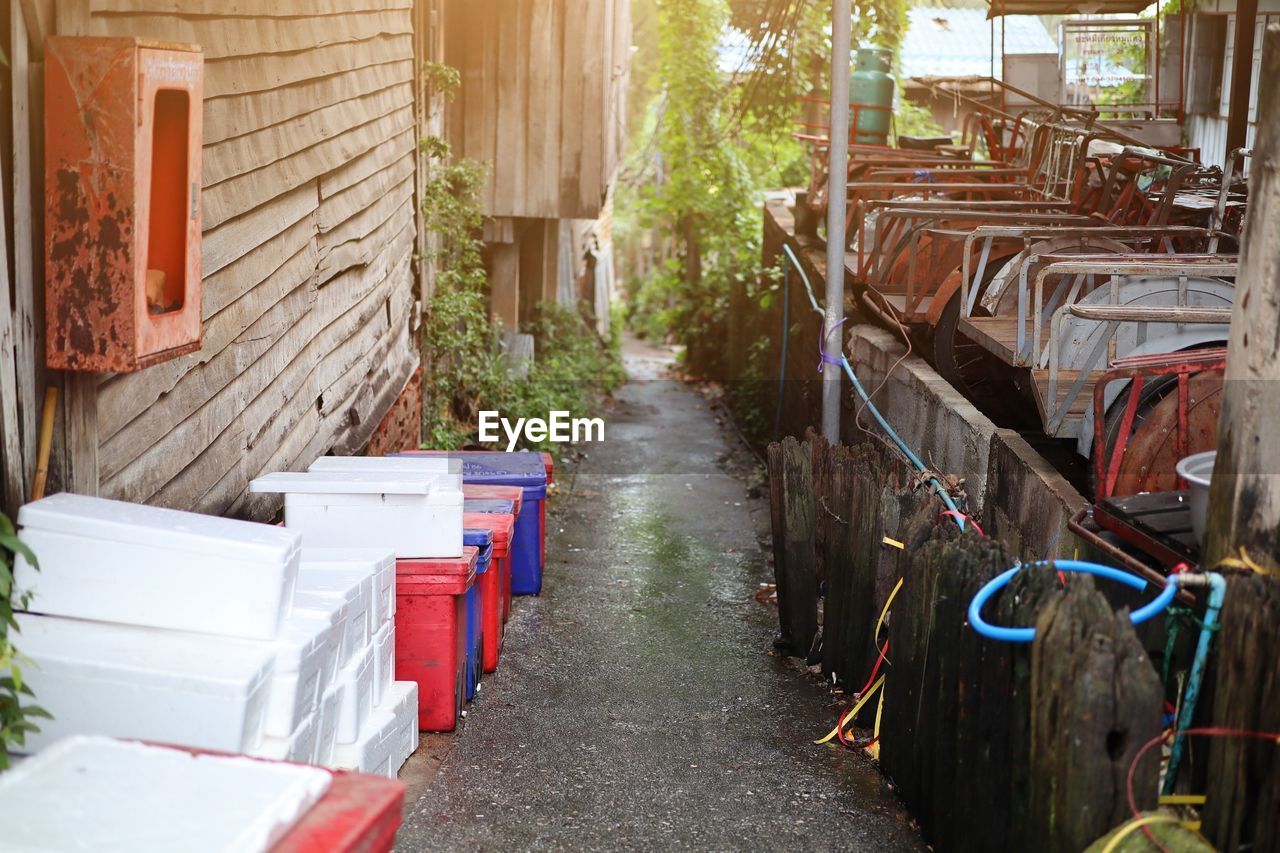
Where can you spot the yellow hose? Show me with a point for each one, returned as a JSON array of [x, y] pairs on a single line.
[[844, 721], [1131, 826]]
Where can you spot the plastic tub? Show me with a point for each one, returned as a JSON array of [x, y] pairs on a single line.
[[501, 500], [497, 596], [431, 633], [1197, 470], [477, 603], [527, 470]]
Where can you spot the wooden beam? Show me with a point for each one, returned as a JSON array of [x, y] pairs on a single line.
[[1244, 504], [1241, 77], [14, 483], [550, 259], [28, 291], [504, 301]]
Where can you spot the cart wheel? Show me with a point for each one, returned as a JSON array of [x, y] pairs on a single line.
[[1150, 448], [959, 360]]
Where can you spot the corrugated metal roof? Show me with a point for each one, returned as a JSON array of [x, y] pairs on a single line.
[[957, 42]]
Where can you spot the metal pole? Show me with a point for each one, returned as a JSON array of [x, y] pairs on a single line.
[[832, 343]]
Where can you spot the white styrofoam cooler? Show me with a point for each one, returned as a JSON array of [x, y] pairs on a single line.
[[344, 597], [401, 701], [384, 661], [122, 681], [327, 729], [378, 563], [306, 658], [355, 686], [371, 751], [433, 464], [414, 514], [90, 793], [139, 565], [299, 747], [438, 465]]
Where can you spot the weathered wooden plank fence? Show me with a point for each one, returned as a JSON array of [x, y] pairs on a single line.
[[992, 746]]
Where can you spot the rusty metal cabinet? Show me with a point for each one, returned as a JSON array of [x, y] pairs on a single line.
[[123, 129]]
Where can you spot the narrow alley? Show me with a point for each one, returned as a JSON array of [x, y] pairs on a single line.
[[638, 706]]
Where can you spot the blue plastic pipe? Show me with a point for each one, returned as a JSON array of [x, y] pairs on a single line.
[[1026, 635], [1217, 593], [871, 407]]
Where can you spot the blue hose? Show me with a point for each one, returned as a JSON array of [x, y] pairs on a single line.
[[1026, 635], [871, 407], [1217, 594]]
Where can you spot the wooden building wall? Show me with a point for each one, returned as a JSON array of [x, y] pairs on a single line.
[[309, 236], [543, 100]]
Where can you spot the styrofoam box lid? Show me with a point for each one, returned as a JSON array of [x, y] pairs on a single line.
[[320, 606], [118, 521], [379, 464], [345, 483], [372, 560], [100, 794], [351, 584], [200, 663]]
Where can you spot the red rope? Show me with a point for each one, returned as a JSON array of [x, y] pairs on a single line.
[[1207, 731]]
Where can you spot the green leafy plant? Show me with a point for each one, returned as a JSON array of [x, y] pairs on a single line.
[[467, 371], [15, 714], [441, 79]]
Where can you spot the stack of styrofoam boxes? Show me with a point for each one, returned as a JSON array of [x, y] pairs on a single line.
[[368, 721], [160, 625], [400, 513]]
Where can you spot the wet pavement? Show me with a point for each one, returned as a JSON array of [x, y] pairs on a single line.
[[637, 705]]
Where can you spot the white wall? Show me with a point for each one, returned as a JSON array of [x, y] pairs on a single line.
[[1208, 130]]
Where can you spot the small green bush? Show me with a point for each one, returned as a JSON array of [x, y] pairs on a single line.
[[15, 715], [465, 369]]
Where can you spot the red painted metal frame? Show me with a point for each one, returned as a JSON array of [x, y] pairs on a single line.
[[1140, 369]]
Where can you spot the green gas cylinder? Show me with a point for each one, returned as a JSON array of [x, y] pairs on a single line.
[[871, 86]]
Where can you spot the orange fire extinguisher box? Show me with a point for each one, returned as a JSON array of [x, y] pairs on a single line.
[[123, 128]]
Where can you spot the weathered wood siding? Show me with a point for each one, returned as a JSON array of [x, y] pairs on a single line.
[[309, 183], [543, 100]]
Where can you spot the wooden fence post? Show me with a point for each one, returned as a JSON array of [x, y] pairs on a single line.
[[1243, 809], [1244, 506], [792, 511], [1095, 700]]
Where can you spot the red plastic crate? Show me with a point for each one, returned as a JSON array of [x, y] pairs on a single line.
[[358, 814], [515, 494], [431, 634], [495, 581]]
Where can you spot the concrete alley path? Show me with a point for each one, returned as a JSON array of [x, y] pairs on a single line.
[[636, 705]]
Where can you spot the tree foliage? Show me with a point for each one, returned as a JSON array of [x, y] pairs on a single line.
[[720, 82]]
